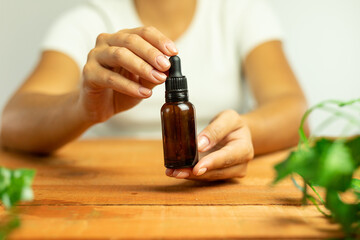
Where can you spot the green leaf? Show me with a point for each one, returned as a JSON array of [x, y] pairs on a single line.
[[346, 214], [336, 165], [354, 146], [329, 164], [355, 185], [300, 162], [284, 168], [8, 225], [15, 186], [5, 179]]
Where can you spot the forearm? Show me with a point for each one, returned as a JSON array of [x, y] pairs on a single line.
[[275, 124], [41, 123]]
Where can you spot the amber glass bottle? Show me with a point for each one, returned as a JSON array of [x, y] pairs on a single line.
[[178, 121]]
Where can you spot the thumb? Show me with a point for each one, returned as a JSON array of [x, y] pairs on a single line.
[[223, 124]]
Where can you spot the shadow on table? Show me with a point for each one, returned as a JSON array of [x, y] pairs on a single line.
[[14, 158], [48, 166], [332, 229], [293, 201], [189, 186]]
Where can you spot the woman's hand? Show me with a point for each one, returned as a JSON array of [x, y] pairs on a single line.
[[227, 147], [122, 69]]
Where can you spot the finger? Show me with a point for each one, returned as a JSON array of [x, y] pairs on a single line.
[[234, 153], [169, 172], [102, 39], [219, 128], [182, 173], [237, 171], [123, 57], [143, 49], [101, 77], [135, 78], [129, 75], [157, 39]]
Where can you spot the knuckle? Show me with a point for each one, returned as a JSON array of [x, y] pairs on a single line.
[[214, 133], [231, 113], [229, 161], [230, 157], [131, 39], [92, 54], [219, 174], [144, 67], [240, 121], [126, 87], [249, 153], [163, 40], [110, 79], [234, 116], [101, 38], [119, 52], [119, 37], [153, 52], [87, 71], [148, 29]]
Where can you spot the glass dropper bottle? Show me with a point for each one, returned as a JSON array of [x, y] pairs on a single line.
[[178, 121]]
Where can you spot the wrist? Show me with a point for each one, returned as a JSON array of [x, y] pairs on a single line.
[[83, 116], [248, 119]]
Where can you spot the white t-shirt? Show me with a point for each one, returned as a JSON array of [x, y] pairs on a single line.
[[212, 49]]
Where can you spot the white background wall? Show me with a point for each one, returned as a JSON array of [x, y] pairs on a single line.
[[322, 42]]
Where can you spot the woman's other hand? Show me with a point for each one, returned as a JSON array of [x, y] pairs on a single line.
[[226, 147], [122, 69]]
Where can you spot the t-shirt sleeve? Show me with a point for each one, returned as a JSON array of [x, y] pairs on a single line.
[[259, 25], [74, 34]]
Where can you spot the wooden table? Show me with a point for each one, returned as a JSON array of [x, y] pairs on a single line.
[[110, 189]]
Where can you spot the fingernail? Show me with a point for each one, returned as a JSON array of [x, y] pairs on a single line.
[[163, 61], [171, 47], [181, 174], [159, 76], [169, 172], [175, 173], [201, 171], [144, 91], [203, 142]]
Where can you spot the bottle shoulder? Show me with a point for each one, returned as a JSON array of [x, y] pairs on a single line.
[[183, 106], [178, 104]]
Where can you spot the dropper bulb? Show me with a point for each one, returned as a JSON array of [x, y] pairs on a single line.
[[176, 84], [175, 69]]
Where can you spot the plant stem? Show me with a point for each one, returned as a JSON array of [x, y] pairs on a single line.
[[304, 201], [317, 194], [303, 138]]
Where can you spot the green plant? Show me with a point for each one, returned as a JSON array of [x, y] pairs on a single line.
[[330, 164], [15, 186]]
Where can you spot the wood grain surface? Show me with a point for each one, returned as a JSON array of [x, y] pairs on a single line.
[[117, 189]]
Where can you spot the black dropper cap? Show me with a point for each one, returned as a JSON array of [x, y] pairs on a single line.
[[176, 83]]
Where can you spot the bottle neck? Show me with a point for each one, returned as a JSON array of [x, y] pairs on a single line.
[[177, 96]]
